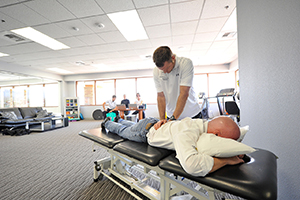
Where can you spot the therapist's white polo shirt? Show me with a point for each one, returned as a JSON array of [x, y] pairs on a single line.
[[169, 83]]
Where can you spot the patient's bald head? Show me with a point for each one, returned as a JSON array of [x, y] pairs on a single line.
[[224, 127]]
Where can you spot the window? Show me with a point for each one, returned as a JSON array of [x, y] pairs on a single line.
[[220, 81], [6, 97], [104, 91], [51, 94], [200, 84], [125, 86], [20, 96], [36, 96], [147, 90], [85, 92], [210, 84]]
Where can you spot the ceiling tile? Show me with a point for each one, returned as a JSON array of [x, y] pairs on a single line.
[[221, 44], [76, 23], [155, 15], [82, 8], [205, 37], [184, 28], [140, 44], [50, 9], [158, 31], [91, 39], [186, 11], [53, 30], [216, 8], [201, 46], [157, 42], [211, 25], [72, 42], [110, 6], [149, 3], [9, 23], [121, 46], [8, 2], [113, 36], [24, 14], [93, 23], [23, 48], [182, 39]]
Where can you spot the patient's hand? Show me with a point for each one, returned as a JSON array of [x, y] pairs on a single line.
[[159, 124], [221, 162], [234, 160]]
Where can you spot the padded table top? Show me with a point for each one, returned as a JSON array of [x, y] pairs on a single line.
[[142, 152], [102, 137], [256, 179]]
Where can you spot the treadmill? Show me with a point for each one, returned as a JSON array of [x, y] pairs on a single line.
[[228, 107]]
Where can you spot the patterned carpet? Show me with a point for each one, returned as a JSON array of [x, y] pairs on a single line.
[[54, 164]]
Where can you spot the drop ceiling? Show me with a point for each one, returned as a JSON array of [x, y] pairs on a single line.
[[192, 28]]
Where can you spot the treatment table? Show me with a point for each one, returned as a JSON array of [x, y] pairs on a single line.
[[256, 179]]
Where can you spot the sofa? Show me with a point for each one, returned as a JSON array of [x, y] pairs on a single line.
[[17, 117]]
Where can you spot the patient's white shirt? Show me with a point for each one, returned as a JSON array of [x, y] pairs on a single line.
[[182, 136]]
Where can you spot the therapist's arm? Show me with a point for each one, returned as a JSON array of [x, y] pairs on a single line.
[[161, 104], [181, 101], [104, 106]]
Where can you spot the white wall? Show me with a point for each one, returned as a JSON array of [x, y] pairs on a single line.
[[268, 45]]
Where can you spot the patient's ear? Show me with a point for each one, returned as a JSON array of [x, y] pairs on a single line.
[[216, 132]]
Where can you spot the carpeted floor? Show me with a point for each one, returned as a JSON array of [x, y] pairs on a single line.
[[55, 164]]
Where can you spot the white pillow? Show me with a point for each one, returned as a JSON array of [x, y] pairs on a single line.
[[213, 145], [243, 131]]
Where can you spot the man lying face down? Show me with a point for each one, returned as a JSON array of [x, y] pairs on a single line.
[[181, 136]]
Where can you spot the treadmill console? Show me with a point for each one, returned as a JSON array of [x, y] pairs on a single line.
[[226, 92]]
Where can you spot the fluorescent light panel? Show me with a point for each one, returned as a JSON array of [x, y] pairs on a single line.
[[59, 70], [129, 24], [3, 54], [40, 38]]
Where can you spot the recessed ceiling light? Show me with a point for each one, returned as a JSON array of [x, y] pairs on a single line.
[[40, 38], [59, 70], [129, 24], [100, 25], [3, 54]]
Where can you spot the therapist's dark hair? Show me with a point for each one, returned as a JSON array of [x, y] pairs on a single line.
[[161, 55]]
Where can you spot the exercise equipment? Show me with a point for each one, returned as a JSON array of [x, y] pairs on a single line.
[[228, 107], [204, 106]]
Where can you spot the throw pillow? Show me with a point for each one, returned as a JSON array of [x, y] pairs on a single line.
[[42, 114], [10, 115], [213, 145]]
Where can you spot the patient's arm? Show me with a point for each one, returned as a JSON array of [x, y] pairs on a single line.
[[221, 162]]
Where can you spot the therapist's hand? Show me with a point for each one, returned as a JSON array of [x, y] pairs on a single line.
[[159, 124]]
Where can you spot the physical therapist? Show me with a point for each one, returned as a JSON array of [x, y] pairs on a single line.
[[173, 78]]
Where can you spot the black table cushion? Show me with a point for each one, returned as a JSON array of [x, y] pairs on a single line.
[[256, 179], [142, 152], [102, 137]]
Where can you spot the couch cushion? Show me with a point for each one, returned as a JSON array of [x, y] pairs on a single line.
[[16, 111], [29, 112], [43, 114]]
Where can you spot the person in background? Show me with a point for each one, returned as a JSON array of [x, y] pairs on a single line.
[[139, 102], [112, 105], [173, 78], [126, 102]]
